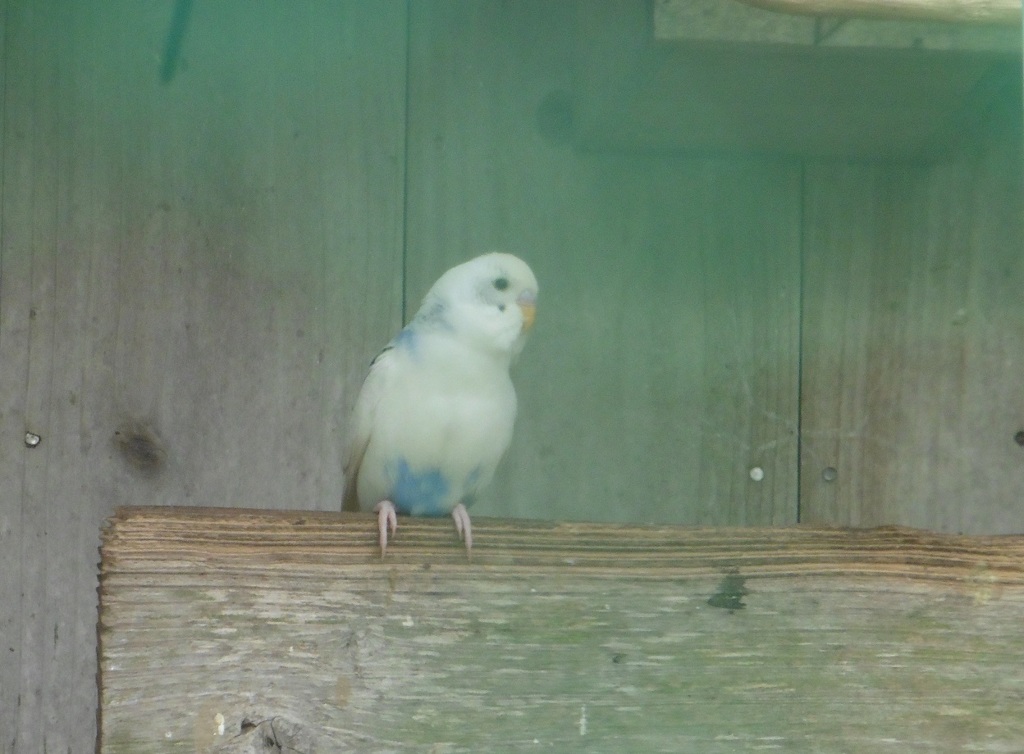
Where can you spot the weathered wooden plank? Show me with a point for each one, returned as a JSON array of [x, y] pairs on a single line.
[[222, 628], [30, 562], [1005, 12], [743, 21], [193, 274], [663, 368], [260, 255], [914, 341]]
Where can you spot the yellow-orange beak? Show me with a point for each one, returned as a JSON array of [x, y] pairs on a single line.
[[527, 303]]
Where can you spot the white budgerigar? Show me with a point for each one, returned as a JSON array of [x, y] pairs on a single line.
[[435, 414]]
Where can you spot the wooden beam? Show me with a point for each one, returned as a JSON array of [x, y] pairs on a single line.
[[913, 26], [947, 11], [231, 631]]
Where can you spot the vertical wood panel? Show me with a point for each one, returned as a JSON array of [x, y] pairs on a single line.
[[914, 341], [26, 320], [663, 366], [212, 259]]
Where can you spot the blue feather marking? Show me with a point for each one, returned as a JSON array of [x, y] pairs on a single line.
[[406, 339], [420, 493], [433, 314]]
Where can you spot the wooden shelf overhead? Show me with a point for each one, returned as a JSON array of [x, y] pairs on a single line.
[[723, 76]]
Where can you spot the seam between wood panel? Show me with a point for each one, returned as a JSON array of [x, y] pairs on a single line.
[[801, 294], [4, 46], [405, 164], [3, 110]]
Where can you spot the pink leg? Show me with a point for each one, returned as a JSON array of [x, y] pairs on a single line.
[[386, 519], [462, 526]]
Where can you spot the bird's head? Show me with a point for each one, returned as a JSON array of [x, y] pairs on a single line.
[[490, 301]]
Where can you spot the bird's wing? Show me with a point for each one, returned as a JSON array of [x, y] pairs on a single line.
[[363, 417]]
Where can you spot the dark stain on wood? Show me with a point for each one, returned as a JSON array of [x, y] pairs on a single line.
[[730, 593], [141, 446]]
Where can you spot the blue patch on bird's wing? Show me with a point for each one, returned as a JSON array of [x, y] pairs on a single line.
[[420, 493], [432, 316], [406, 339]]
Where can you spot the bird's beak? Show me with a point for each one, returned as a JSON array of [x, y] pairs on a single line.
[[527, 303]]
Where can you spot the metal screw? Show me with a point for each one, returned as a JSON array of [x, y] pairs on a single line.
[[757, 473], [829, 474], [32, 439]]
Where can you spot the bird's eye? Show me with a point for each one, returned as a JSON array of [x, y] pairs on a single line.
[[501, 283]]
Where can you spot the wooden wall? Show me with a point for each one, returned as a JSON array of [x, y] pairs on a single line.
[[206, 266], [913, 339], [199, 264], [664, 365]]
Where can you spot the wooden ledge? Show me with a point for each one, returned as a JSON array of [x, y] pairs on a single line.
[[228, 630], [196, 538]]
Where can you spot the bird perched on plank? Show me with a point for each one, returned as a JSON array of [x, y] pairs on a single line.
[[435, 414]]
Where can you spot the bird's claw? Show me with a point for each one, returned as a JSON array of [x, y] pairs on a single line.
[[387, 519], [462, 526]]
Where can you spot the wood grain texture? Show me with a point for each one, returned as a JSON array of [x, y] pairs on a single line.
[[914, 341], [663, 365], [30, 561], [220, 629], [191, 276]]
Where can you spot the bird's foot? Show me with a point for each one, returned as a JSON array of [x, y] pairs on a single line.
[[386, 519], [462, 526]]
